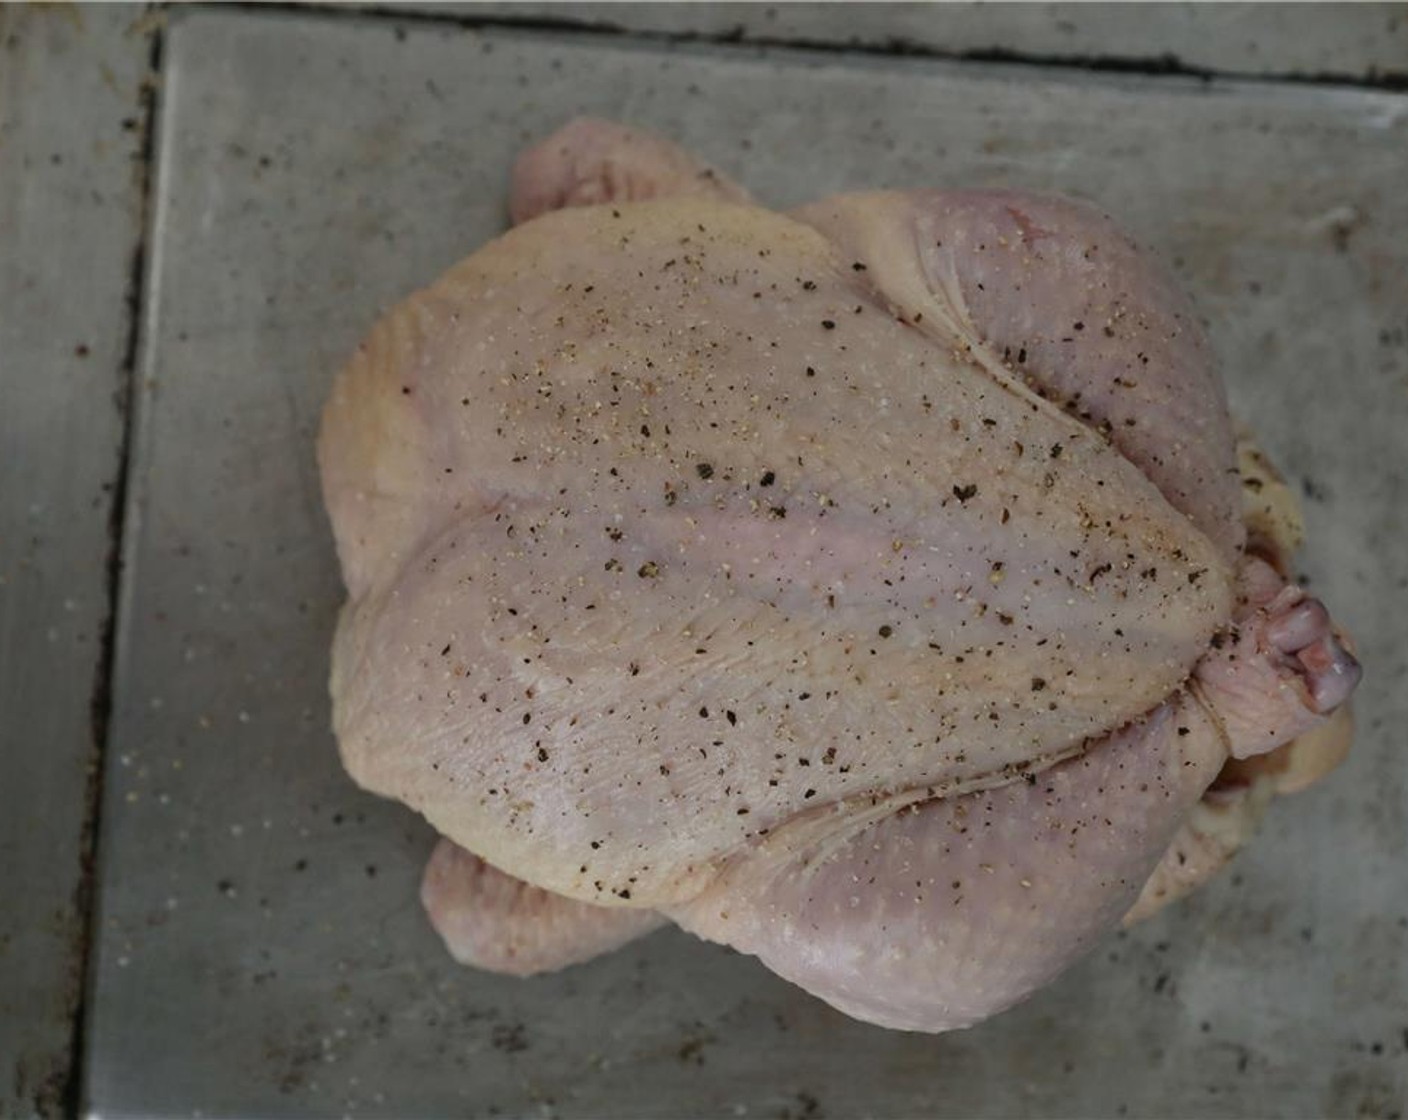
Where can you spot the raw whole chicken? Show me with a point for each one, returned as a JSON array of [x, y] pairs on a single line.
[[879, 588]]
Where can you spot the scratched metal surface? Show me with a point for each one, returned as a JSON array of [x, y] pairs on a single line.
[[68, 227], [261, 952], [1357, 40]]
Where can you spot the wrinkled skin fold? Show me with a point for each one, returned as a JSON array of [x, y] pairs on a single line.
[[880, 588]]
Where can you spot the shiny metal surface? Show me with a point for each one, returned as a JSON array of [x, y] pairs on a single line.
[[260, 948]]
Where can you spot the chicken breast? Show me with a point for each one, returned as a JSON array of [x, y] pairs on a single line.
[[865, 587]]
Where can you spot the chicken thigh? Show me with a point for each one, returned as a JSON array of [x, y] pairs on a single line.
[[880, 589]]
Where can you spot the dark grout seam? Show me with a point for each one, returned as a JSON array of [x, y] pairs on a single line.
[[101, 698], [1160, 65]]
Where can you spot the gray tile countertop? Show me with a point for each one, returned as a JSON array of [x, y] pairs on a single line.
[[1354, 40], [70, 229], [257, 948]]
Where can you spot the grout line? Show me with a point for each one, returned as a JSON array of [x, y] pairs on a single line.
[[101, 698], [1164, 64]]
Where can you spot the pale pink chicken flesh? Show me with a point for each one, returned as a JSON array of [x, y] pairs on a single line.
[[880, 588]]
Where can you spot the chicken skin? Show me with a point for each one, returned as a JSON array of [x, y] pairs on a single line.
[[881, 588]]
